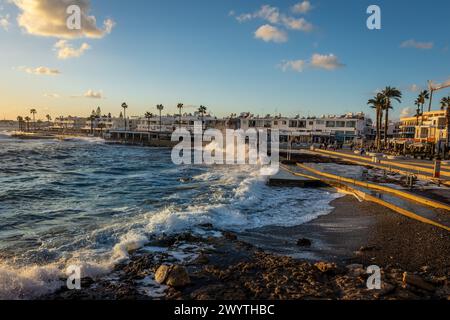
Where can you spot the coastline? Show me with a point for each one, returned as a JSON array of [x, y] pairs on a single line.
[[237, 266]]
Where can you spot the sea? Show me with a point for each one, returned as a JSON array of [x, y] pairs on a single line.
[[85, 202]]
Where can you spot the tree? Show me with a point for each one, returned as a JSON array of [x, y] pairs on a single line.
[[180, 107], [49, 118], [20, 120], [101, 126], [160, 108], [92, 118], [148, 116], [125, 107], [390, 93], [33, 112], [202, 110], [378, 103], [445, 103], [417, 103], [28, 119], [423, 97]]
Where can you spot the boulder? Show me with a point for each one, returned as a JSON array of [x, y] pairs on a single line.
[[325, 266], [174, 276], [178, 277], [229, 236], [417, 281], [356, 270], [303, 242], [162, 273]]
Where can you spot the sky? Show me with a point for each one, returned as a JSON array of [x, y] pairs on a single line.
[[267, 57]]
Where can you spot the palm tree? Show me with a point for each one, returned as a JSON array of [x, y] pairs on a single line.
[[202, 110], [125, 107], [33, 112], [417, 103], [378, 103], [148, 116], [28, 119], [390, 93], [101, 126], [92, 119], [423, 97], [49, 118], [180, 107], [20, 120], [160, 108], [445, 103]]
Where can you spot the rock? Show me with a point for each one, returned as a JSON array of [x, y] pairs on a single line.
[[325, 266], [386, 289], [425, 269], [162, 274], [439, 280], [303, 242], [368, 248], [178, 277], [208, 226], [417, 281], [174, 276], [201, 259], [229, 236], [356, 270]]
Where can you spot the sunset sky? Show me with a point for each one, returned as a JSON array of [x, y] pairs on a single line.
[[290, 57]]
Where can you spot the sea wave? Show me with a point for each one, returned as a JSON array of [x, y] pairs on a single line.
[[232, 198]]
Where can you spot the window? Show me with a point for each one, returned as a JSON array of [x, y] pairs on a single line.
[[320, 122], [351, 124], [275, 123], [302, 124], [292, 124], [330, 124], [284, 123], [311, 123], [340, 124]]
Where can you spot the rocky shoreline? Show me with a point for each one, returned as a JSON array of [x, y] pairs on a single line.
[[413, 258]]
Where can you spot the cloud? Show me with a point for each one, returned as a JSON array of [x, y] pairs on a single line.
[[302, 7], [93, 94], [297, 24], [406, 112], [271, 14], [51, 95], [66, 50], [417, 45], [414, 88], [40, 71], [269, 33], [275, 17], [327, 62], [293, 65], [48, 18], [244, 17], [4, 22]]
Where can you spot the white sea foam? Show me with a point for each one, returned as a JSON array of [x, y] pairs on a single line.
[[249, 204]]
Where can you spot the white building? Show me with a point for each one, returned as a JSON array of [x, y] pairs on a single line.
[[103, 124], [68, 123], [168, 123], [345, 128]]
